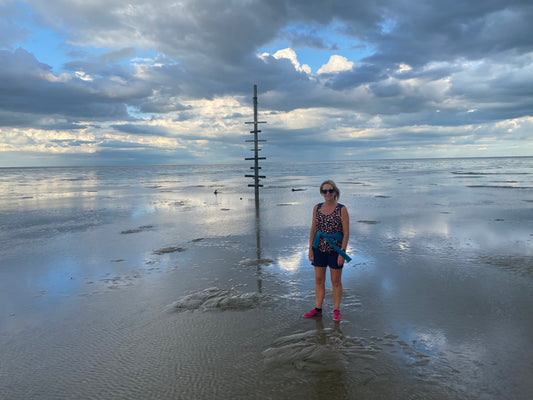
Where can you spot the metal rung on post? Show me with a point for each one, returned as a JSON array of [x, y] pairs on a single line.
[[256, 151]]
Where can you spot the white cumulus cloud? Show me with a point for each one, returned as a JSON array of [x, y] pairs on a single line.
[[290, 54], [336, 64]]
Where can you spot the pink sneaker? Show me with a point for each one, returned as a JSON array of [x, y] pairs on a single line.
[[313, 313], [337, 316]]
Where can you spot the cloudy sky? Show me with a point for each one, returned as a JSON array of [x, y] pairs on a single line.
[[171, 81]]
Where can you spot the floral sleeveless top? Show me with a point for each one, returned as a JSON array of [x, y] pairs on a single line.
[[330, 223]]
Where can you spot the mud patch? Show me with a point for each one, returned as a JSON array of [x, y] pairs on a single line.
[[172, 249], [318, 350], [213, 299], [328, 349], [137, 230], [522, 266]]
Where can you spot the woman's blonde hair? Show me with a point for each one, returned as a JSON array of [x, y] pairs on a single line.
[[330, 182]]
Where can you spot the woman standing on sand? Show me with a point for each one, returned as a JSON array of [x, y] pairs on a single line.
[[328, 239]]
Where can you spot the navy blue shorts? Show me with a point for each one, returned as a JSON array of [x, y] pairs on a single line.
[[326, 259]]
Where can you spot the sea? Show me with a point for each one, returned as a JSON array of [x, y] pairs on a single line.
[[177, 282]]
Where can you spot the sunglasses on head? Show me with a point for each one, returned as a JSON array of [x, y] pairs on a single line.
[[328, 191]]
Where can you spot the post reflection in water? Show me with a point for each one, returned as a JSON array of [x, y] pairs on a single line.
[[330, 379], [258, 242]]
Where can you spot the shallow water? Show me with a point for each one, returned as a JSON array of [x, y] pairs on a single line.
[[140, 282]]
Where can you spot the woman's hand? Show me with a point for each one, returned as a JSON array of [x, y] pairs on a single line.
[[340, 260], [311, 255]]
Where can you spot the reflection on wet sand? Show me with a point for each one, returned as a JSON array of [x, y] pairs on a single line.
[[142, 283]]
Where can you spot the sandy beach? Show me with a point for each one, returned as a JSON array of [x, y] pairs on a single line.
[[141, 283]]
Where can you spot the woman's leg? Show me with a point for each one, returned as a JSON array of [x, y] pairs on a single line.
[[336, 283], [320, 286]]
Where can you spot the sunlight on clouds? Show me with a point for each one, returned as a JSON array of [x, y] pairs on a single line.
[[170, 71], [200, 148], [43, 141], [118, 79], [159, 142], [50, 77], [81, 141], [290, 55], [523, 126], [145, 64], [220, 106], [300, 119], [336, 64], [434, 91], [353, 133], [151, 141], [375, 121], [403, 68], [207, 118], [83, 76]]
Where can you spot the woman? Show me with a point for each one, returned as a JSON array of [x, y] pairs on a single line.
[[328, 239]]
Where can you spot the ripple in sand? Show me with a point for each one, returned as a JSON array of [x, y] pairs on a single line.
[[217, 299]]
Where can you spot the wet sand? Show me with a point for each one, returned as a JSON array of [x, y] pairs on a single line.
[[189, 295]]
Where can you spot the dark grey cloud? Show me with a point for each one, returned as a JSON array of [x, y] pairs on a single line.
[[125, 53], [430, 64], [140, 129], [214, 43], [30, 87]]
